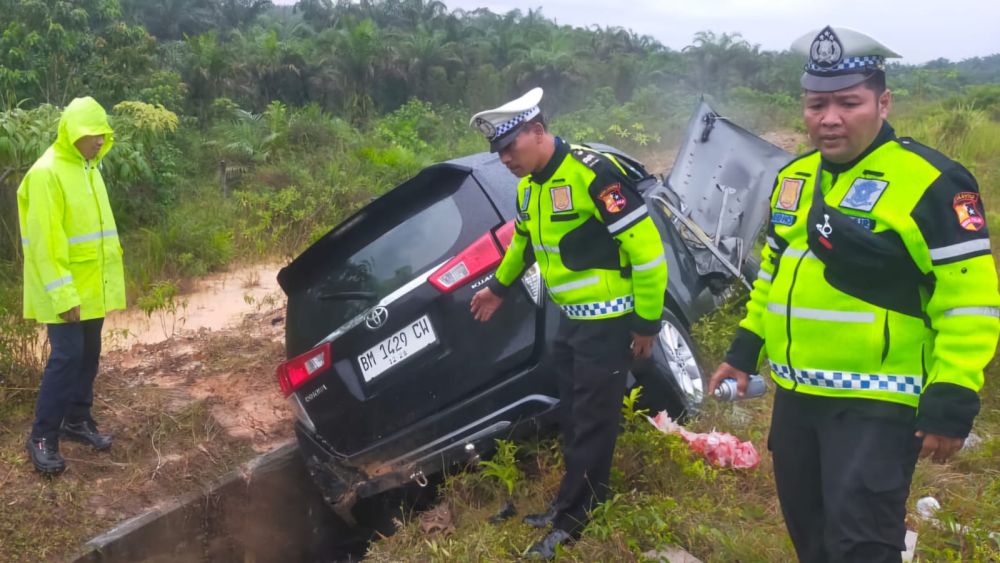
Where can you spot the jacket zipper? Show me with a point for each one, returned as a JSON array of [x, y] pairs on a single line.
[[538, 222], [87, 170], [788, 321]]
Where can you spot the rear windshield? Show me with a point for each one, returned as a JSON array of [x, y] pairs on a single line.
[[390, 261]]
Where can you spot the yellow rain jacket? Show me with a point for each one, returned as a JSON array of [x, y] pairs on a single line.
[[72, 255]]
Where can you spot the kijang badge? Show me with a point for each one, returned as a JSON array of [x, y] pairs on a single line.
[[562, 198], [788, 197]]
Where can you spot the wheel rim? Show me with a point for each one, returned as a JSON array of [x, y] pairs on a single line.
[[682, 364]]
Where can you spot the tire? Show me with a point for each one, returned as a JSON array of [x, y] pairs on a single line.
[[672, 379]]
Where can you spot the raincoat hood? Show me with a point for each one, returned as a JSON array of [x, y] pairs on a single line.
[[82, 117]]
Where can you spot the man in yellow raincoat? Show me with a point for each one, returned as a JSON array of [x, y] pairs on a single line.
[[73, 275]]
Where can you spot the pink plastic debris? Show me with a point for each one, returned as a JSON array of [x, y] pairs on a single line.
[[719, 448]]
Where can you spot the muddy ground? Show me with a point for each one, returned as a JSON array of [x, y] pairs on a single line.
[[183, 411]]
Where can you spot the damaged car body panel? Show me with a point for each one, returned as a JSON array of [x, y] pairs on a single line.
[[718, 191], [390, 377]]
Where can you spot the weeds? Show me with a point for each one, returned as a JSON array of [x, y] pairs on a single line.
[[503, 466], [162, 300]]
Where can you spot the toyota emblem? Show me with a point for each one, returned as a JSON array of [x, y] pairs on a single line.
[[376, 318]]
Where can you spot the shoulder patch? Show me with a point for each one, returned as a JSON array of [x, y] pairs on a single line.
[[613, 198], [969, 211]]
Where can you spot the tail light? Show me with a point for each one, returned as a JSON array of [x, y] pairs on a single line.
[[482, 255], [296, 372]]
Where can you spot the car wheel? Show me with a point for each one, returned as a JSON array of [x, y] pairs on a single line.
[[672, 379]]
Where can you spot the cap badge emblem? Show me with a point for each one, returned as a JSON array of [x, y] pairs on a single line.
[[826, 50], [485, 127]]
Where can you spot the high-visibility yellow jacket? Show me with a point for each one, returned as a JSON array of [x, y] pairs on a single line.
[[880, 285], [72, 255], [598, 250]]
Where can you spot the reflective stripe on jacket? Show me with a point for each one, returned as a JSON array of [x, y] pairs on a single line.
[[72, 254], [598, 250]]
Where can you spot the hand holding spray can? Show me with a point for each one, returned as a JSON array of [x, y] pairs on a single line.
[[726, 391]]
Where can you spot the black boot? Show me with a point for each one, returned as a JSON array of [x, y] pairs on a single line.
[[545, 548], [542, 519], [86, 432], [44, 454]]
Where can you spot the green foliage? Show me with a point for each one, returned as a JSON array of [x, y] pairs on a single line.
[[51, 51], [163, 299], [418, 126], [20, 345], [715, 332], [279, 219], [641, 521], [763, 111], [24, 136], [503, 466], [142, 167], [630, 414]]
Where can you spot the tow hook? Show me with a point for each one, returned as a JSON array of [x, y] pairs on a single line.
[[470, 450], [419, 478]]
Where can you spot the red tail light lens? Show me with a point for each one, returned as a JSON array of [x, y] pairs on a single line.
[[480, 256], [505, 234], [296, 372]]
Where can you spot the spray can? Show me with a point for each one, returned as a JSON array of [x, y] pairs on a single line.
[[726, 391]]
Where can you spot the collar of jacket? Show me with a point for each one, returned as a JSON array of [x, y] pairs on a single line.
[[886, 134], [545, 174]]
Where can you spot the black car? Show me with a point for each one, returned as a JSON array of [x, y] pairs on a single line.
[[390, 377]]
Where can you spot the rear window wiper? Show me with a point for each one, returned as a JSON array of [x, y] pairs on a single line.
[[349, 296]]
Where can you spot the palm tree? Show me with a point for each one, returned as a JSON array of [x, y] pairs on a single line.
[[422, 50], [360, 52], [719, 61]]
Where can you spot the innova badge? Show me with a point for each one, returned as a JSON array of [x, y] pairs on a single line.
[[376, 318]]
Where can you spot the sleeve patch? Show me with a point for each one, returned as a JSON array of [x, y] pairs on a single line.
[[613, 198], [969, 211]]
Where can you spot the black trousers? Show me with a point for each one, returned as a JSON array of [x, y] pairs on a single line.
[[67, 389], [592, 359], [843, 472]]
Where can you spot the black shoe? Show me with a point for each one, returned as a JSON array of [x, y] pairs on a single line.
[[44, 454], [546, 547], [542, 519], [86, 432], [506, 513]]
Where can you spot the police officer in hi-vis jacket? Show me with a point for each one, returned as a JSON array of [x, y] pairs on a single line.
[[582, 220], [876, 307]]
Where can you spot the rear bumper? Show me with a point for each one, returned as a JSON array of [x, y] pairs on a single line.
[[453, 436]]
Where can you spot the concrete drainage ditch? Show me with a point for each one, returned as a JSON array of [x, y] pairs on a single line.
[[267, 510]]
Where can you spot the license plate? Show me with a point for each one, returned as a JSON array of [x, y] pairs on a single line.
[[397, 348]]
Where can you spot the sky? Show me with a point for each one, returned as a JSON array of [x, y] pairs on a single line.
[[920, 30]]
